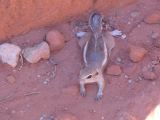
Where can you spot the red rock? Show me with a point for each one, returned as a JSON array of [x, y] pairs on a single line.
[[136, 54], [11, 79], [153, 18], [149, 75], [9, 53], [39, 14], [114, 70], [101, 4], [55, 40], [37, 52], [67, 116]]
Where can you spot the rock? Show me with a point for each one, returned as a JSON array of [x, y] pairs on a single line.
[[136, 54], [102, 117], [114, 70], [11, 79], [129, 81], [39, 14], [55, 40], [153, 18], [37, 52], [124, 36], [9, 53], [36, 15], [118, 60], [149, 75], [71, 90], [126, 76], [67, 116], [154, 114]]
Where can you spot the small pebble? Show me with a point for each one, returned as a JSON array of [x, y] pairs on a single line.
[[9, 53], [126, 76], [45, 82], [123, 36], [38, 76], [93, 111], [56, 40], [148, 75], [37, 52], [102, 118], [43, 117], [118, 59], [153, 18], [129, 81], [137, 54]]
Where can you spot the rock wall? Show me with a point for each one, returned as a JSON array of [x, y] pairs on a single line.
[[19, 16]]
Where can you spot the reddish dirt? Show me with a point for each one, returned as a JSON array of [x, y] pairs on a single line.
[[30, 97]]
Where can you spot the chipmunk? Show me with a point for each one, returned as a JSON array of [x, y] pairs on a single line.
[[96, 51]]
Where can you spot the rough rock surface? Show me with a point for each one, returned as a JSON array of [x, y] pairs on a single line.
[[37, 52], [21, 16], [9, 53]]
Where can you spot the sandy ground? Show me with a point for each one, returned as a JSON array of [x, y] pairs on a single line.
[[41, 92]]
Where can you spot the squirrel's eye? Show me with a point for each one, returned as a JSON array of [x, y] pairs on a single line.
[[89, 76]]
